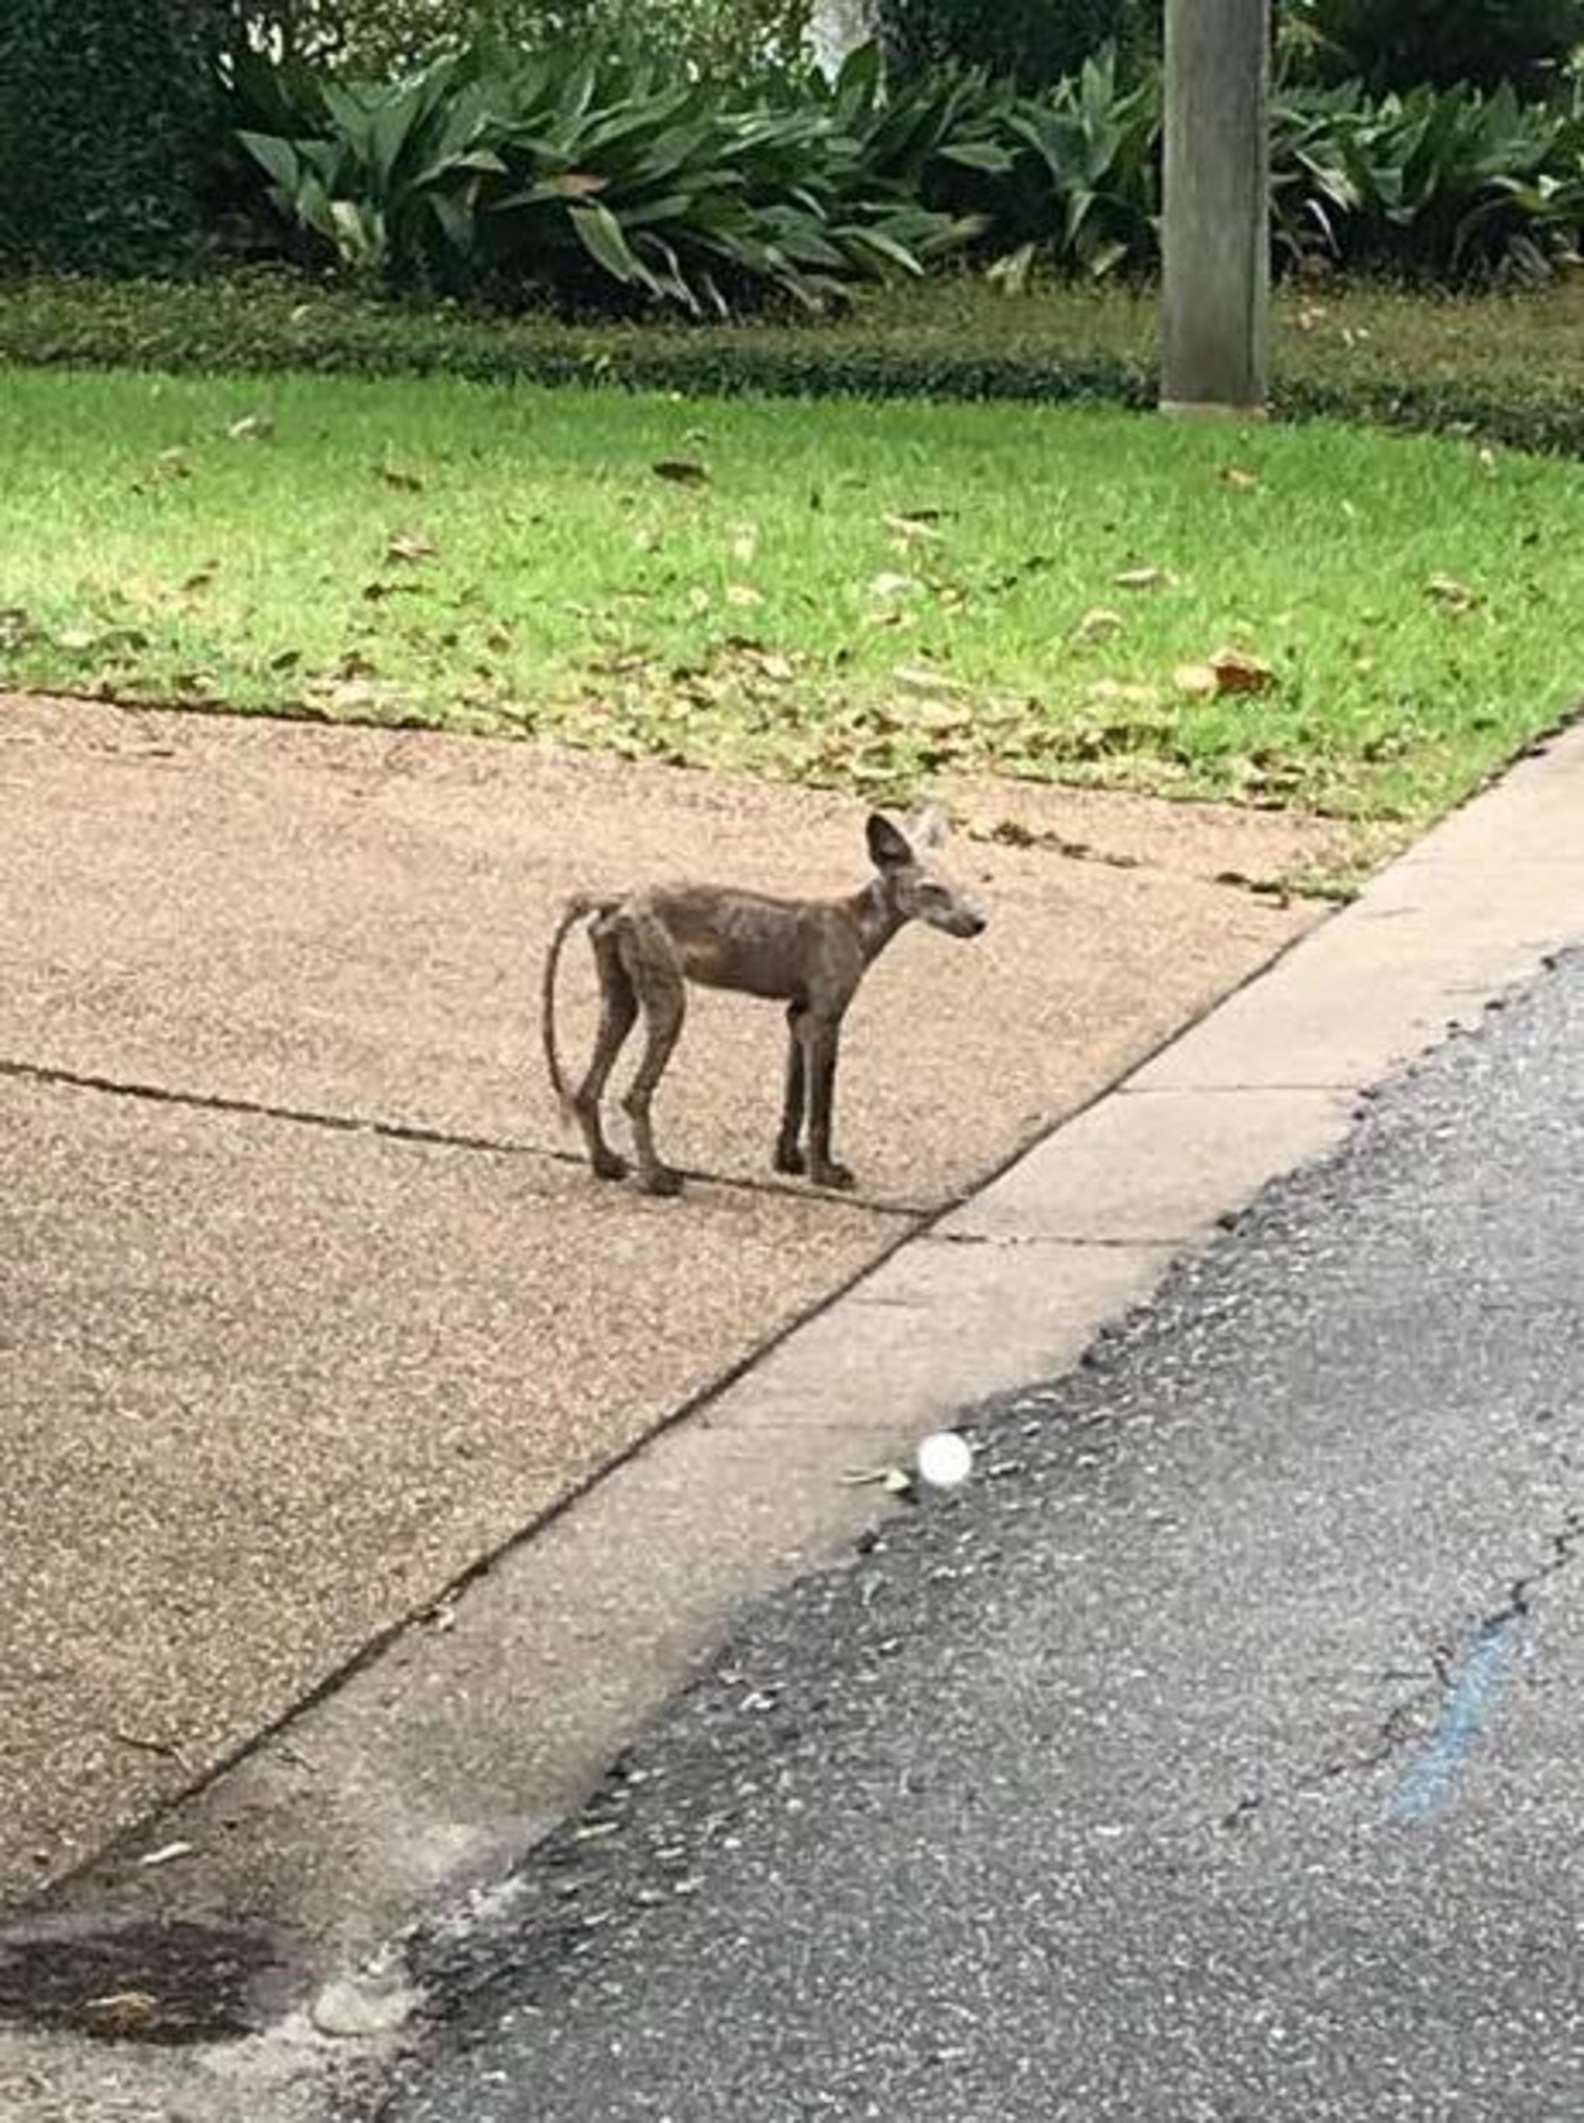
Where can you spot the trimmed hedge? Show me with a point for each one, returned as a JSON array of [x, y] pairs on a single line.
[[109, 119], [181, 327], [1410, 367]]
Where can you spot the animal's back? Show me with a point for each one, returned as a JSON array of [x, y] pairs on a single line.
[[751, 941]]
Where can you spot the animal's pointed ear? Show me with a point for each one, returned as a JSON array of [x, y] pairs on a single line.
[[928, 828], [888, 846]]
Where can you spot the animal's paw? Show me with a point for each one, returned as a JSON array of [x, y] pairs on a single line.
[[836, 1176], [607, 1165], [788, 1158], [662, 1180]]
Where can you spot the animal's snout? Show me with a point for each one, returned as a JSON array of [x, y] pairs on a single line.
[[971, 920]]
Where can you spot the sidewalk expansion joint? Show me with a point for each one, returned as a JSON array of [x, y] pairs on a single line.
[[1083, 1243], [1259, 1090], [414, 1132]]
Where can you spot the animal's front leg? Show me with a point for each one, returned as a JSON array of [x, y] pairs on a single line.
[[788, 1150], [820, 1063]]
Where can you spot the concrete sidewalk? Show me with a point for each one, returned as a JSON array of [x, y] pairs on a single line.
[[271, 1382]]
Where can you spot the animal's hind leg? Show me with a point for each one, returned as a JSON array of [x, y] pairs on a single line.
[[652, 968], [618, 1014]]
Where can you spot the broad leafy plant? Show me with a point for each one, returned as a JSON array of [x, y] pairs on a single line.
[[601, 181], [582, 177]]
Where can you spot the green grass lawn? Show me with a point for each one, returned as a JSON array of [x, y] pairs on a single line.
[[858, 595]]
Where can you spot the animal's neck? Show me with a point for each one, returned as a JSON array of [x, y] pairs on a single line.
[[876, 918]]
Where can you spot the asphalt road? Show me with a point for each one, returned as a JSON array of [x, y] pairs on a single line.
[[1214, 1754]]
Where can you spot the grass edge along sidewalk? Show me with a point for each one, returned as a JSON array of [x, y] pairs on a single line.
[[877, 600]]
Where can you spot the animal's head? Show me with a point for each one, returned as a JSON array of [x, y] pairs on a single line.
[[915, 886]]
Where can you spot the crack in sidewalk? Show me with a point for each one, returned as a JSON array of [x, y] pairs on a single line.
[[415, 1132]]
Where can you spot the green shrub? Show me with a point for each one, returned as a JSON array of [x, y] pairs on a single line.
[[1407, 44], [604, 184], [108, 119], [591, 181], [730, 40], [1088, 183], [1036, 43], [1450, 184]]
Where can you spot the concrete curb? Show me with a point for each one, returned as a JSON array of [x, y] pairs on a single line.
[[465, 1740]]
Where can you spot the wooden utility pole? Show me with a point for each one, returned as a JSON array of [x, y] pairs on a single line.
[[1215, 288]]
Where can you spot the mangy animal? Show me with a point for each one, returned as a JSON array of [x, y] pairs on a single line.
[[810, 954]]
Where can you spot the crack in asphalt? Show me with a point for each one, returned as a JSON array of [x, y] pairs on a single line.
[[1425, 1713], [1561, 1544]]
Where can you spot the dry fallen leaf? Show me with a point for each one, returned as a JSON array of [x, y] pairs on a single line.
[[1144, 579], [1237, 672], [402, 482], [1199, 678], [411, 545], [921, 678], [1011, 833], [744, 545], [1098, 624], [1450, 594], [1232, 475], [767, 663], [166, 1853], [912, 529], [125, 2012], [252, 427], [682, 471], [889, 586], [742, 593], [1120, 692]]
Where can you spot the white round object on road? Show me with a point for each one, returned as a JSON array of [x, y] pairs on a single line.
[[945, 1459]]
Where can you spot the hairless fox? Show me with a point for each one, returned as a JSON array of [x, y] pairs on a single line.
[[810, 954]]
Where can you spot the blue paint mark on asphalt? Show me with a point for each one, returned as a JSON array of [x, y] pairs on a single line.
[[1427, 1786]]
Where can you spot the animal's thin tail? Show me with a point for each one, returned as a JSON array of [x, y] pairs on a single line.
[[578, 908]]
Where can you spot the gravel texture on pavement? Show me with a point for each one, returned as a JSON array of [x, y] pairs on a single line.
[[1212, 1754]]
